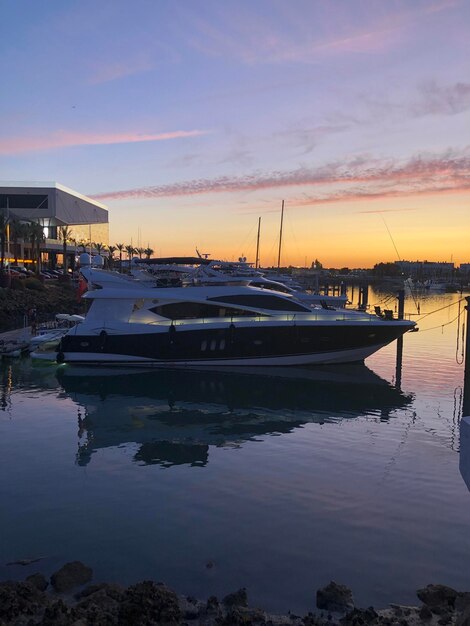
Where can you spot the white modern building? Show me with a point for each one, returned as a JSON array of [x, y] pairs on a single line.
[[52, 205]]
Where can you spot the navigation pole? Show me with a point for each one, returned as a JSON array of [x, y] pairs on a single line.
[[280, 237]]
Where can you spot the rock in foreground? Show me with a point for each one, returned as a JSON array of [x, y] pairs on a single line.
[[335, 597], [153, 604], [71, 575]]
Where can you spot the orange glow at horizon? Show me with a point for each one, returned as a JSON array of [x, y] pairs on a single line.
[[342, 234]]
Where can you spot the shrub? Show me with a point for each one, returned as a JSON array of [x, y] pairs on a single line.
[[34, 284], [17, 283]]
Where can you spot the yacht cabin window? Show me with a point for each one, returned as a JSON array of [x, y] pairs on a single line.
[[198, 310]]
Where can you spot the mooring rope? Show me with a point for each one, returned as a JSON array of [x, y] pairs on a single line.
[[440, 325], [385, 300], [447, 306], [413, 295]]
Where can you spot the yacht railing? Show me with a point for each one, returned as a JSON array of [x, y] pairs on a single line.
[[319, 316]]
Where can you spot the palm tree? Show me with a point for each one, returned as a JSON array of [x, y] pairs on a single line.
[[99, 247], [111, 250], [130, 251], [36, 237], [20, 231], [120, 247], [148, 252], [65, 233], [140, 252], [15, 230]]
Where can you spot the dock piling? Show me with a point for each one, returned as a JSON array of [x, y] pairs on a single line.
[[466, 376], [401, 304], [363, 297]]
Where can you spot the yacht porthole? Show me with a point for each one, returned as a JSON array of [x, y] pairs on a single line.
[[203, 346], [213, 344]]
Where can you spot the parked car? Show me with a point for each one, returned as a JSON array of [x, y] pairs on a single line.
[[50, 273], [15, 274], [23, 270]]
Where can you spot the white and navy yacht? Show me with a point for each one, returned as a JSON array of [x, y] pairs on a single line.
[[218, 325]]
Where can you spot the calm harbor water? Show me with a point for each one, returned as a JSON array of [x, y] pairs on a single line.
[[281, 480]]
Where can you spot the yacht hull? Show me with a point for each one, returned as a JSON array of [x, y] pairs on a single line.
[[343, 356], [231, 346]]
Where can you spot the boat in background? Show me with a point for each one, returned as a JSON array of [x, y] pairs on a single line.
[[44, 345], [441, 285], [13, 348], [241, 273], [199, 272]]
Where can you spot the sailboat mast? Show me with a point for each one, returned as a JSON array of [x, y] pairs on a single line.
[[257, 244], [280, 237]]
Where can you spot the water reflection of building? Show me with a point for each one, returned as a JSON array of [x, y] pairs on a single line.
[[464, 463], [175, 416]]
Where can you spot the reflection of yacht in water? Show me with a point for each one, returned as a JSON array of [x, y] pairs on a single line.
[[464, 464], [175, 415]]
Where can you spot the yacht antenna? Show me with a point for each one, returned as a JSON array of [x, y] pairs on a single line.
[[203, 255], [257, 244], [280, 237]]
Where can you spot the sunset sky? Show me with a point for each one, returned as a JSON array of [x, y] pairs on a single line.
[[190, 119]]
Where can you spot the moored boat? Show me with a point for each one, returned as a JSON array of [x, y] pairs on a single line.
[[226, 326], [45, 343]]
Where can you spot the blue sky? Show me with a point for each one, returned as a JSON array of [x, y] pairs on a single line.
[[190, 119]]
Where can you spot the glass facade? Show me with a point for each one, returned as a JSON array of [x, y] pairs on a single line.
[[96, 233]]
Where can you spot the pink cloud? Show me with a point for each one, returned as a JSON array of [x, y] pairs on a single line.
[[66, 139], [308, 138], [267, 48], [365, 195], [442, 100], [387, 210], [342, 181], [252, 40], [119, 69]]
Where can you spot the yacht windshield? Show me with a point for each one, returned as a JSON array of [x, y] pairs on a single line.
[[263, 301]]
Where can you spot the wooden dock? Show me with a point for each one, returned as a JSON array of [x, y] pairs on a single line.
[[14, 342]]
